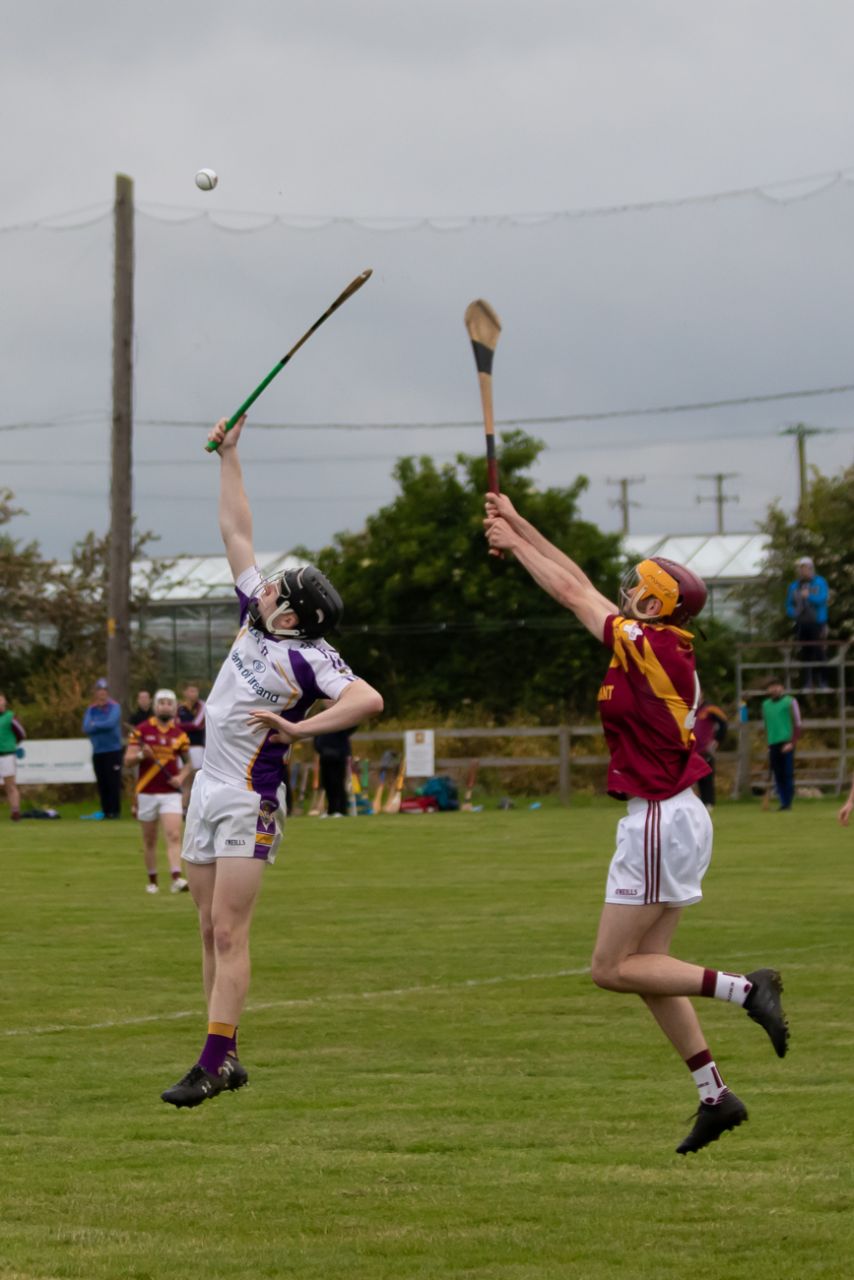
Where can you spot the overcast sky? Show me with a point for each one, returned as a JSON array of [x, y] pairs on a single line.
[[459, 111]]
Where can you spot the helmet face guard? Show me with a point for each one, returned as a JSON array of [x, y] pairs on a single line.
[[310, 595], [680, 592]]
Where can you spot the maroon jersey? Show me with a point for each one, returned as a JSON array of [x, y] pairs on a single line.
[[710, 728], [168, 742], [647, 703]]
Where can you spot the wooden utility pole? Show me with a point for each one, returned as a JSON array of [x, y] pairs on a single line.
[[121, 493], [624, 502], [800, 431], [719, 497]]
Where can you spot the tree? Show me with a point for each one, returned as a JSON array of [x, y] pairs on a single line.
[[434, 622], [22, 571], [824, 531], [53, 623]]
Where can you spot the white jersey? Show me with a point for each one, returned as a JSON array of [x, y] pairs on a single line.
[[264, 672]]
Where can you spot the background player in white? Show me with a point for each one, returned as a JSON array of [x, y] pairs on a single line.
[[277, 668]]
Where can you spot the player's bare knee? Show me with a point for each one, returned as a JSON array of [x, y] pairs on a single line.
[[605, 973], [227, 937]]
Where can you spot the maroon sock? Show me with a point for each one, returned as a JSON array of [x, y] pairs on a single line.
[[710, 978], [152, 877]]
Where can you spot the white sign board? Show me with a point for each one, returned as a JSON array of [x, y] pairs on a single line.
[[57, 760], [420, 753]]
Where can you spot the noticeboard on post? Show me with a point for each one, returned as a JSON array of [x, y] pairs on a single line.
[[420, 753]]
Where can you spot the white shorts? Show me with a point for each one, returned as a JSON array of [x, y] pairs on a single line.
[[7, 765], [663, 851], [230, 822], [149, 806], [197, 757]]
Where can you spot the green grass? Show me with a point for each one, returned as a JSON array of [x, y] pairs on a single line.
[[429, 1098]]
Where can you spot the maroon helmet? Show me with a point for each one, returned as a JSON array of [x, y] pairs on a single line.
[[692, 591], [680, 592]]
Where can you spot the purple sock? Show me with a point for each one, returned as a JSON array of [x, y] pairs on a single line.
[[213, 1055]]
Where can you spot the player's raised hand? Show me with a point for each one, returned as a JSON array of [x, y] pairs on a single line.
[[499, 535], [226, 439], [499, 505], [286, 730]]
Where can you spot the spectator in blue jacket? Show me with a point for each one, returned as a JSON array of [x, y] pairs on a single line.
[[102, 724], [806, 605]]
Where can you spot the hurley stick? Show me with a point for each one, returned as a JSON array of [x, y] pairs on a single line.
[[352, 287], [317, 797], [484, 328], [393, 802], [470, 781]]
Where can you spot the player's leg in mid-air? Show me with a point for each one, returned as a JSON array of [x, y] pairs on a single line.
[[632, 955], [225, 893], [225, 862]]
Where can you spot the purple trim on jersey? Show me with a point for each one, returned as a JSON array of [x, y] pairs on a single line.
[[267, 772], [266, 827], [244, 601], [306, 679]]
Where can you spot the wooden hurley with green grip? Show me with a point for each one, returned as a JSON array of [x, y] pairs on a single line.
[[352, 287]]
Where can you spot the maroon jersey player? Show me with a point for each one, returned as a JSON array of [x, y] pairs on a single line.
[[159, 748], [648, 701]]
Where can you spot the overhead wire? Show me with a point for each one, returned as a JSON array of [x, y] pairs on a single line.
[[781, 191], [519, 420]]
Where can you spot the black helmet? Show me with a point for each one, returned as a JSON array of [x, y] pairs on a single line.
[[310, 595]]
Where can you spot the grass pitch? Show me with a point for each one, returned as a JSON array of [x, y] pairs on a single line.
[[437, 1089]]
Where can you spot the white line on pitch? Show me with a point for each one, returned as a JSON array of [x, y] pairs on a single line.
[[305, 1003]]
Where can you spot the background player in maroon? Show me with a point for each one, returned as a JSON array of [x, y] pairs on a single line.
[[648, 701], [160, 748]]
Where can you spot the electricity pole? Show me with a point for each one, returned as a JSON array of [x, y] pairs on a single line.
[[801, 431], [121, 492], [719, 498], [624, 501]]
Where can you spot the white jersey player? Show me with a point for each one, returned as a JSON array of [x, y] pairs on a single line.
[[277, 668], [265, 671]]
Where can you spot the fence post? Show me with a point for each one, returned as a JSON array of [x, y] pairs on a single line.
[[744, 763], [563, 767]]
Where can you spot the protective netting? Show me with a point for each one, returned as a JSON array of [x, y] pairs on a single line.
[[677, 305]]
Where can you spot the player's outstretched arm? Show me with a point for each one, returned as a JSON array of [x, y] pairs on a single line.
[[590, 608], [235, 514], [499, 506]]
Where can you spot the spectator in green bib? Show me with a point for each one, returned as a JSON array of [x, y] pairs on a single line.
[[11, 733], [782, 717]]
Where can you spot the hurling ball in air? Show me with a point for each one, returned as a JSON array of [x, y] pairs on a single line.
[[206, 179]]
